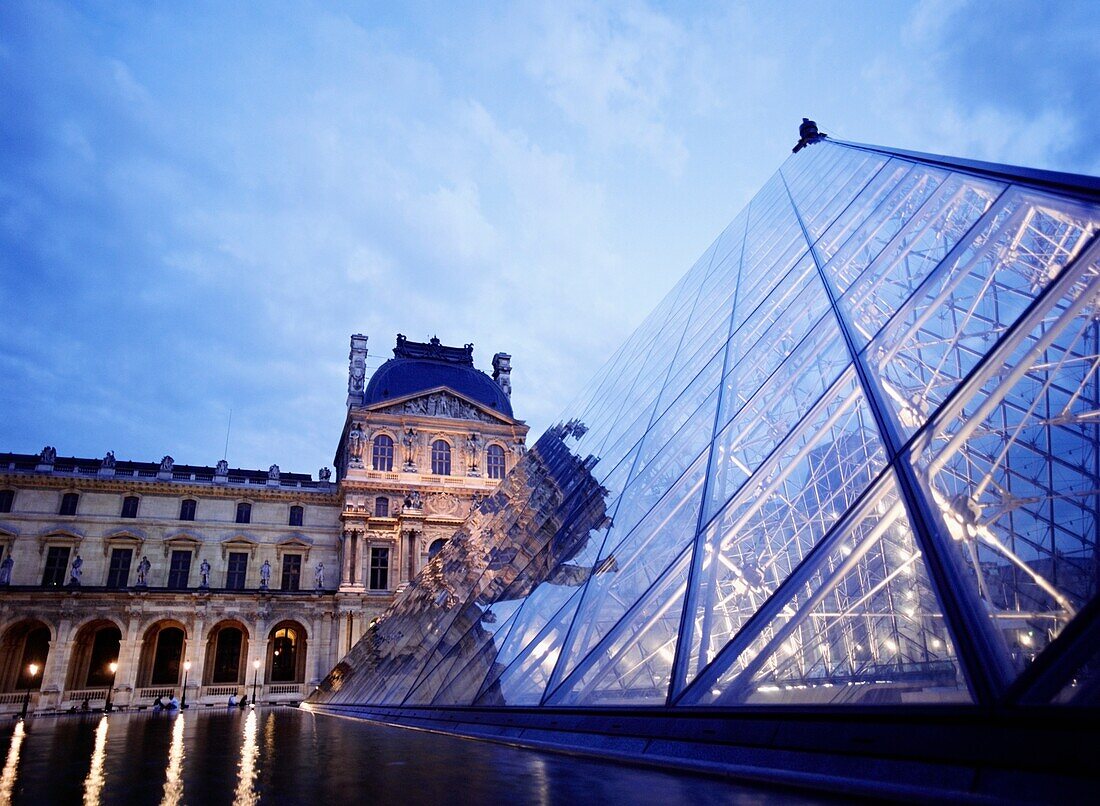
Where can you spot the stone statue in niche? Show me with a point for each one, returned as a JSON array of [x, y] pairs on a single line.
[[204, 574], [324, 474], [473, 453], [143, 573], [408, 440], [319, 576], [5, 570], [77, 571], [222, 469], [48, 455], [166, 464], [265, 575], [108, 460], [356, 441], [273, 473]]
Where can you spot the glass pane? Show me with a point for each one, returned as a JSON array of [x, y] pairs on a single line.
[[1011, 470], [938, 337], [857, 623], [780, 516]]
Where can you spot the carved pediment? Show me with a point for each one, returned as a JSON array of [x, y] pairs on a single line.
[[441, 403]]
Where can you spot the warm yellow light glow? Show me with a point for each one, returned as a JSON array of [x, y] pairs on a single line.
[[255, 664], [113, 666], [187, 665], [33, 669]]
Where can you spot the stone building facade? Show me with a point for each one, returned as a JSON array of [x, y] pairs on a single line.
[[211, 580]]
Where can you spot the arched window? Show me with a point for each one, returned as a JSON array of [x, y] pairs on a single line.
[[226, 667], [382, 455], [130, 506], [187, 509], [441, 458], [436, 547], [244, 512], [381, 507], [296, 514], [286, 654], [494, 462], [167, 657]]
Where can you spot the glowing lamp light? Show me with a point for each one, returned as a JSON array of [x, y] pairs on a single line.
[[187, 665], [113, 666], [255, 664], [33, 669]]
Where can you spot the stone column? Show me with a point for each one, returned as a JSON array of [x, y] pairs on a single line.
[[196, 653], [129, 654], [56, 667], [345, 558]]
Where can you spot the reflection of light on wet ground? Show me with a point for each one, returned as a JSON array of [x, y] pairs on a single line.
[[173, 776], [246, 772], [93, 784], [11, 766]]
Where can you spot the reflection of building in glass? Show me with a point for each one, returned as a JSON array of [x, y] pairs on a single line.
[[251, 575], [851, 458]]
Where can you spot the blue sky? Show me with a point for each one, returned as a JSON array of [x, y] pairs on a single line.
[[200, 202]]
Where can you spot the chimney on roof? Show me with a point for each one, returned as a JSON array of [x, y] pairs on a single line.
[[357, 369], [502, 372]]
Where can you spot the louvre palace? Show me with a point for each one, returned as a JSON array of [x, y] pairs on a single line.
[[126, 581]]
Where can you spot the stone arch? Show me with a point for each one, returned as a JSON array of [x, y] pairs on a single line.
[[436, 547], [286, 653], [25, 641], [163, 651], [95, 645], [226, 642]]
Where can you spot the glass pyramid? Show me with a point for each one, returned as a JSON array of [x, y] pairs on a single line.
[[851, 458]]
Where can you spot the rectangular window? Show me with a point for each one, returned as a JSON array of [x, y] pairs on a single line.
[[379, 569], [238, 567], [130, 506], [381, 507], [296, 513], [179, 570], [244, 513], [292, 571], [187, 509], [68, 503], [57, 561], [7, 497], [118, 573]]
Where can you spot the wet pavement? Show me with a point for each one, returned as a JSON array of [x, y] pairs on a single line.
[[285, 756]]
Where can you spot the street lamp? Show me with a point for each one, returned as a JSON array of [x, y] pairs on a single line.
[[186, 669], [33, 670], [113, 666], [255, 677]]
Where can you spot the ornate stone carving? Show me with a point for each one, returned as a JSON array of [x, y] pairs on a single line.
[[441, 404], [48, 455], [356, 443], [222, 469], [324, 474], [473, 454], [357, 364], [166, 464], [273, 473], [408, 440], [108, 461], [442, 504]]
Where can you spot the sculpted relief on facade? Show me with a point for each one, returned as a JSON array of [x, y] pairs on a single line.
[[440, 404]]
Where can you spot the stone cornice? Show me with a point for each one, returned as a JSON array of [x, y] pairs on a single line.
[[180, 488]]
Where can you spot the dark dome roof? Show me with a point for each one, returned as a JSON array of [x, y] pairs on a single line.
[[399, 377]]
